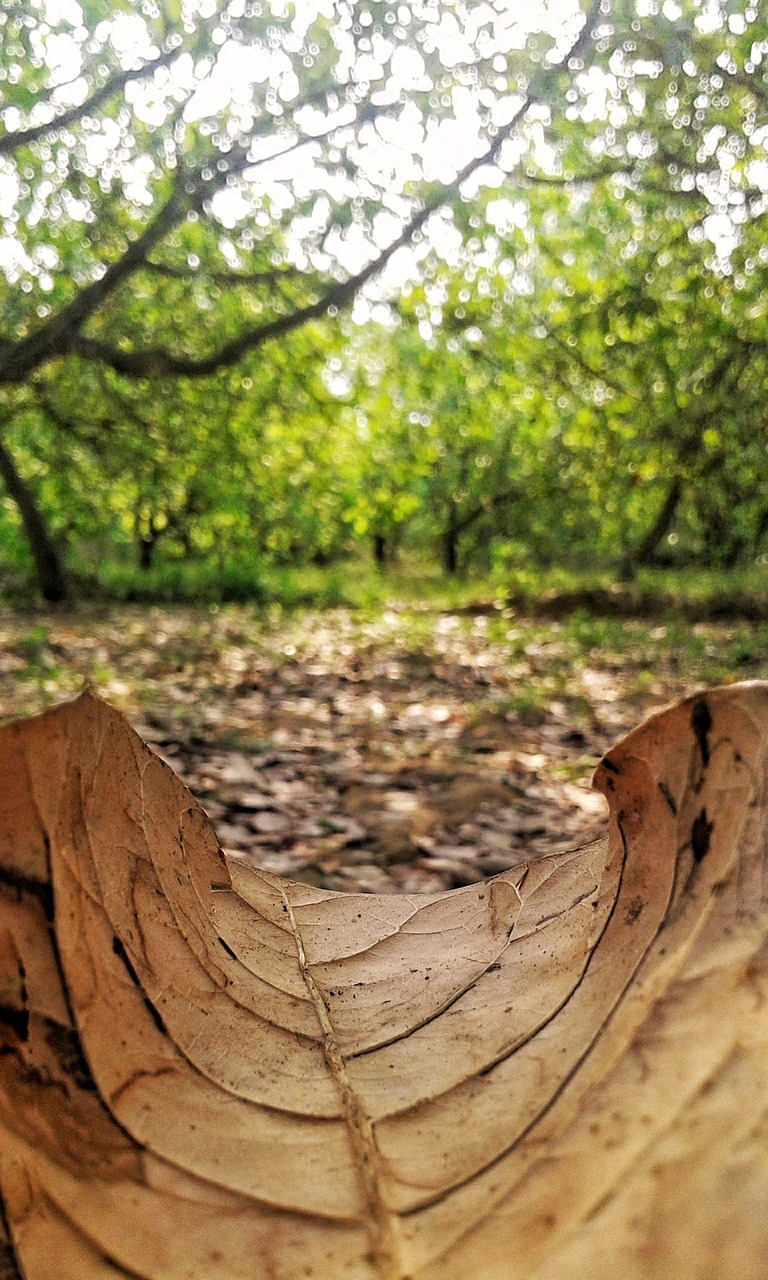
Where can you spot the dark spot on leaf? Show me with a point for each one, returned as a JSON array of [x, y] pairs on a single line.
[[39, 889], [702, 723], [23, 983], [670, 799], [155, 1016], [122, 954], [228, 949], [701, 833], [634, 910], [16, 1019], [65, 1043], [9, 1267]]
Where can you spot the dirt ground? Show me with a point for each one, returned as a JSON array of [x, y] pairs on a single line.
[[408, 751]]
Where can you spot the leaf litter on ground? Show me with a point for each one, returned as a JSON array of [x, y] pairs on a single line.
[[407, 750]]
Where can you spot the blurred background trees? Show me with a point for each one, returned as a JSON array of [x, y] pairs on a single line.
[[289, 283]]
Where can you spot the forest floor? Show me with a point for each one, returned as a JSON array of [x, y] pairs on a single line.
[[405, 748]]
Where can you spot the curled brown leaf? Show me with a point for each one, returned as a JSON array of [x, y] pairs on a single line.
[[210, 1073]]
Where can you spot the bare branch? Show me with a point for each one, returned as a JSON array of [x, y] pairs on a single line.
[[115, 84], [191, 192], [229, 279], [575, 179]]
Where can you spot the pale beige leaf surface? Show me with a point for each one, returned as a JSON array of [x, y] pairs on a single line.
[[210, 1073]]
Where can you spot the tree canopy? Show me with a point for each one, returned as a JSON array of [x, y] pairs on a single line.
[[277, 279]]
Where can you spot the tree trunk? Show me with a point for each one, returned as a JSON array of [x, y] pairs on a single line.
[[451, 544], [49, 566], [723, 545], [450, 551], [146, 552], [380, 550], [147, 538], [760, 531], [659, 528]]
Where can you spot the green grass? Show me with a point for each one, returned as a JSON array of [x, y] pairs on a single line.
[[355, 583], [593, 597], [661, 640], [176, 582]]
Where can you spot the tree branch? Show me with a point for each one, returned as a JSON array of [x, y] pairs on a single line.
[[191, 192], [575, 356], [115, 84], [501, 499], [229, 279], [55, 338], [161, 362], [92, 432]]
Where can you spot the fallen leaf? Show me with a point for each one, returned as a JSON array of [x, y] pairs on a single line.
[[210, 1073], [268, 822], [586, 800]]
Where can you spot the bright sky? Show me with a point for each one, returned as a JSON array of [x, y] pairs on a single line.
[[402, 147], [398, 150]]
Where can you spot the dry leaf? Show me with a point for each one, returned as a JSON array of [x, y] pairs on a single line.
[[209, 1073]]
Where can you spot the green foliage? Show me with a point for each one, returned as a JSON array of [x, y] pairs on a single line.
[[571, 377]]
